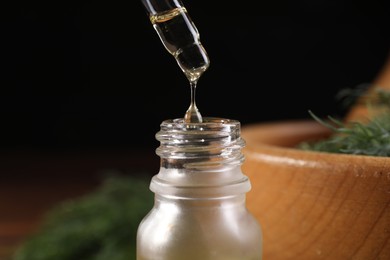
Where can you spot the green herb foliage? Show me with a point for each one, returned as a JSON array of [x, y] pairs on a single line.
[[99, 226], [371, 138]]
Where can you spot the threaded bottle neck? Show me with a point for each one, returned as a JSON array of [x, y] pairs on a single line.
[[200, 159], [214, 142]]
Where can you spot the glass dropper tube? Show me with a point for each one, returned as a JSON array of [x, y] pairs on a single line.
[[181, 39]]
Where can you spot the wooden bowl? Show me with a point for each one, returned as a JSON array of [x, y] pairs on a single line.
[[314, 205]]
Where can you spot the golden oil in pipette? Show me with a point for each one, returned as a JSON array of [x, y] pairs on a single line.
[[181, 39]]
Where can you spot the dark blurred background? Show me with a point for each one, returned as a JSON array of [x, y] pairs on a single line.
[[95, 76]]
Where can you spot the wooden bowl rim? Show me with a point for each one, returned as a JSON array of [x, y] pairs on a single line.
[[250, 133]]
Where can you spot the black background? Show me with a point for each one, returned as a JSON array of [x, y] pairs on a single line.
[[96, 76]]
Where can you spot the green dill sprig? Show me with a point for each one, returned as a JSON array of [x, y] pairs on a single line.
[[372, 138], [99, 226]]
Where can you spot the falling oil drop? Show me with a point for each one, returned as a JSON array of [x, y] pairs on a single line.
[[192, 114]]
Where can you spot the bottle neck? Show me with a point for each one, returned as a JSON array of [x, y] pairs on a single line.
[[200, 159], [209, 145]]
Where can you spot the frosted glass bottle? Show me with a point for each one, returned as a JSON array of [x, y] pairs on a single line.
[[199, 210]]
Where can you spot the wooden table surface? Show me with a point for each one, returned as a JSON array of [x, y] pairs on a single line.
[[31, 183]]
